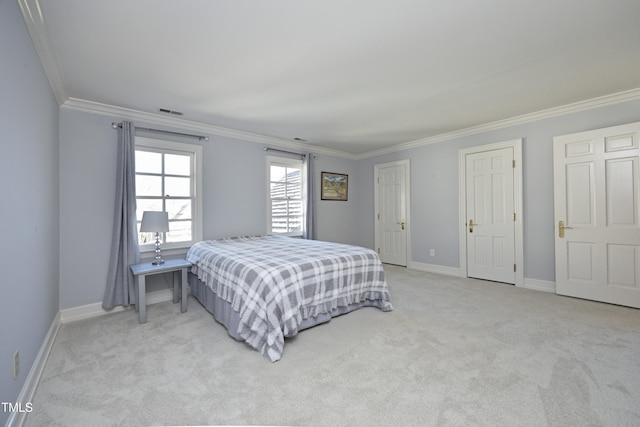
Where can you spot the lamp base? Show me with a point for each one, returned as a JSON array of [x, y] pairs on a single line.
[[158, 259]]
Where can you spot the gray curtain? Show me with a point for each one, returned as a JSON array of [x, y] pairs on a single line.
[[121, 288], [309, 229]]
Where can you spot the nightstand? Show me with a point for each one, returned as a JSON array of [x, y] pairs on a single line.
[[142, 270]]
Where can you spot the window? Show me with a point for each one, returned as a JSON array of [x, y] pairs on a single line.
[[168, 179], [285, 209]]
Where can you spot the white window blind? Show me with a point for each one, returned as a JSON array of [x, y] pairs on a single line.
[[285, 189]]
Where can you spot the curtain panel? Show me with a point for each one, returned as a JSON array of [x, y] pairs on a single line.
[[120, 289], [309, 227]]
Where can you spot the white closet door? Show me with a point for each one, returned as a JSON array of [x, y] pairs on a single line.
[[597, 207], [490, 215]]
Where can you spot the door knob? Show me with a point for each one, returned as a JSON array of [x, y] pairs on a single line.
[[470, 226], [402, 224], [561, 228]]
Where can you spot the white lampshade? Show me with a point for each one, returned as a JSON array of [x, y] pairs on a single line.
[[154, 221]]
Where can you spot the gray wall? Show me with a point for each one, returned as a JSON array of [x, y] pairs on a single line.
[[234, 199], [434, 192], [29, 205], [336, 220]]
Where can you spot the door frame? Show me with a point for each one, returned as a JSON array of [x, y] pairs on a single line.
[[516, 144], [407, 202]]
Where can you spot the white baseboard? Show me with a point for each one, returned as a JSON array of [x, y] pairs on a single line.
[[540, 285], [95, 309], [33, 378], [534, 284], [434, 268]]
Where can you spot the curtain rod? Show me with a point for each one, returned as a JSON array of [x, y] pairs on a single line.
[[284, 151], [166, 132]]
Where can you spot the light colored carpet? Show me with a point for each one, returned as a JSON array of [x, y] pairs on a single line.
[[453, 352]]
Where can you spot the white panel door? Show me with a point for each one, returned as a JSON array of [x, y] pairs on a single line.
[[597, 208], [392, 215], [490, 215]]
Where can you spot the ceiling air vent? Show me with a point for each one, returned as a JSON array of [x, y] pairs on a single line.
[[167, 111]]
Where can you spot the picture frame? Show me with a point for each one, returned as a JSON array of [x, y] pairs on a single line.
[[334, 186]]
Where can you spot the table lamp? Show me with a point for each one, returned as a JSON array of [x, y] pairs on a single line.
[[155, 222]]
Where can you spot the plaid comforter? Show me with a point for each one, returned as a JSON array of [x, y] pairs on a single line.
[[275, 282]]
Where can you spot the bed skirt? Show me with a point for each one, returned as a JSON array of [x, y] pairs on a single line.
[[230, 319]]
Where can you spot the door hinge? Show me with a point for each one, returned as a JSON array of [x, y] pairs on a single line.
[[513, 164], [378, 216], [514, 216], [378, 180], [378, 251], [514, 268]]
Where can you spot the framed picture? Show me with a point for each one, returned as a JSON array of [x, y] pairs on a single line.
[[335, 186]]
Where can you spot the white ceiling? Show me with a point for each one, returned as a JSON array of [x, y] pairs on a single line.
[[347, 75]]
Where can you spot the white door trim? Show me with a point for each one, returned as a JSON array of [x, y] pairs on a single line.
[[516, 144], [376, 168]]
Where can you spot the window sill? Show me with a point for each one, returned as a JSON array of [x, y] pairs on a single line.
[[149, 254]]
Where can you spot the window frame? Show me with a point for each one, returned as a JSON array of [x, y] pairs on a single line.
[[285, 162], [180, 148]]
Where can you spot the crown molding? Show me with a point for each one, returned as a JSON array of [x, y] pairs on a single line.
[[602, 101], [188, 125], [182, 124], [32, 14]]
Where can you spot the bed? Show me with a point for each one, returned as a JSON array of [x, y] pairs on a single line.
[[266, 288]]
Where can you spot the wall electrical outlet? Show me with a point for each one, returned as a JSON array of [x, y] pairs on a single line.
[[16, 364], [432, 252]]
